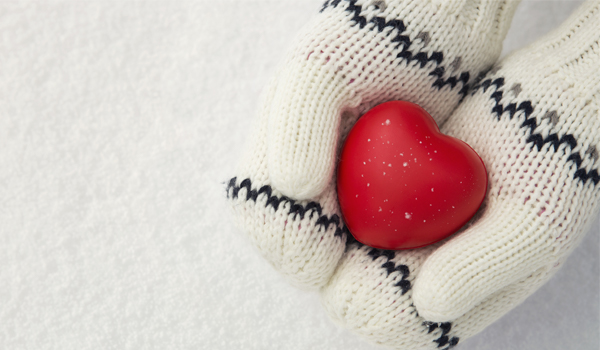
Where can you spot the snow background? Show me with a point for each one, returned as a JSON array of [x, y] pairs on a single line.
[[119, 121]]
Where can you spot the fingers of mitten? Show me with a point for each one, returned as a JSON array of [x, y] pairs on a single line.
[[506, 244], [304, 115], [500, 303], [303, 131], [534, 123], [371, 294], [355, 55]]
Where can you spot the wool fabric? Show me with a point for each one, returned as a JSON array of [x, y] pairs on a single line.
[[354, 55], [534, 120]]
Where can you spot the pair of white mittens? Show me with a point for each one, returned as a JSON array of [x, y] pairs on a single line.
[[533, 118]]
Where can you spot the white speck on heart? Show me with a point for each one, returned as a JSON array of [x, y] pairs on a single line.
[[432, 189], [369, 159], [387, 122], [384, 173], [368, 140], [407, 216], [405, 164], [452, 207], [402, 154], [435, 151], [362, 175], [390, 165], [424, 220], [430, 159], [368, 184], [420, 141], [380, 209]]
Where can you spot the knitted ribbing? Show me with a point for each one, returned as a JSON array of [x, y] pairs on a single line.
[[351, 57], [534, 120]]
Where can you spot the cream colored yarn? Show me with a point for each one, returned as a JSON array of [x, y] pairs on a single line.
[[541, 163], [533, 119], [359, 53], [351, 57]]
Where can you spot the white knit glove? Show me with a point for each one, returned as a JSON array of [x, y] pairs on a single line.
[[534, 119], [354, 55]]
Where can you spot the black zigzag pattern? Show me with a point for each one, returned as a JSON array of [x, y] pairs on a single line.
[[536, 139], [405, 285], [391, 267], [296, 209], [380, 23], [444, 338]]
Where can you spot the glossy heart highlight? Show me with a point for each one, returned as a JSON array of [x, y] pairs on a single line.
[[401, 183]]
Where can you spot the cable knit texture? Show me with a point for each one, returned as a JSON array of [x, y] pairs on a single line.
[[534, 120], [351, 57]]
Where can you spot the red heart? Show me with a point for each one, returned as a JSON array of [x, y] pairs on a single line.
[[401, 183]]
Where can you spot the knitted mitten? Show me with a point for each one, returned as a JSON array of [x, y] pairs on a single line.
[[353, 56], [534, 119]]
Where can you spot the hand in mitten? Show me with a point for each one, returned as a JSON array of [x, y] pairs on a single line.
[[534, 120], [354, 55]]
